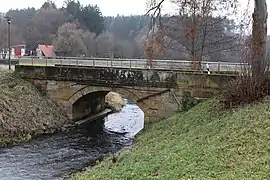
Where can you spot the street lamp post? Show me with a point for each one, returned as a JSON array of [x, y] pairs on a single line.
[[9, 48]]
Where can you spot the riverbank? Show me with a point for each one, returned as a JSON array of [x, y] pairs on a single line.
[[25, 112], [198, 144]]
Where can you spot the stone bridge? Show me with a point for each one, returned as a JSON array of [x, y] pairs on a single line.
[[81, 90]]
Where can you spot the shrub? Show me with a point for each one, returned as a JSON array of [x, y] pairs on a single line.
[[188, 101], [245, 90]]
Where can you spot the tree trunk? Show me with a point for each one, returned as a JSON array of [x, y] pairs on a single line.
[[259, 37]]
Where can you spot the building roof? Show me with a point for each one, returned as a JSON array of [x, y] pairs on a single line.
[[48, 50]]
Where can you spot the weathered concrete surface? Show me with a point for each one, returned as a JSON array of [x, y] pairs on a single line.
[[101, 76], [202, 85], [157, 92]]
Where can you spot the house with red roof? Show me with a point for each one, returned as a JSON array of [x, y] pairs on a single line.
[[18, 50], [45, 51]]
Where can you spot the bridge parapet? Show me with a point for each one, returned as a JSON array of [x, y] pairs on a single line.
[[111, 77], [182, 65], [101, 76]]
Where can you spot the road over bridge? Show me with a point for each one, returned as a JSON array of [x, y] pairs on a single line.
[[130, 63], [158, 92]]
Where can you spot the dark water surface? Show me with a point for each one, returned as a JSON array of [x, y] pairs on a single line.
[[51, 157]]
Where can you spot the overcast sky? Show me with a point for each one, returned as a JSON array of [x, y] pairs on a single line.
[[108, 7]]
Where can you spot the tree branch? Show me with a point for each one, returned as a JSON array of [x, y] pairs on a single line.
[[155, 8]]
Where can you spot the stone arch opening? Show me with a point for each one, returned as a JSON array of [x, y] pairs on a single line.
[[88, 104], [90, 100]]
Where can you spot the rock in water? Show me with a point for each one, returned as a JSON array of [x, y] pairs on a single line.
[[114, 101]]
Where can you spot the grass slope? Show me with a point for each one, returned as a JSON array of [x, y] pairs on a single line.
[[196, 145]]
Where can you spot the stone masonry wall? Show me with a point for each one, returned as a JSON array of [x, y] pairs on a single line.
[[157, 93]]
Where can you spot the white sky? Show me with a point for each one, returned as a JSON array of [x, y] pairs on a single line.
[[108, 7]]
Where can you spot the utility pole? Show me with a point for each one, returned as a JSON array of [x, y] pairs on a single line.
[[9, 48]]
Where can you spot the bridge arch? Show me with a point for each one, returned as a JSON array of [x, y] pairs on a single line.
[[91, 100]]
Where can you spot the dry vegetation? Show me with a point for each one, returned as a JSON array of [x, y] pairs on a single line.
[[245, 90], [24, 111]]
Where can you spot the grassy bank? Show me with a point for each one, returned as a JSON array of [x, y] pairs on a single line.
[[198, 144], [24, 111]]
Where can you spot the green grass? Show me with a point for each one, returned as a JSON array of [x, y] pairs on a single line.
[[198, 144]]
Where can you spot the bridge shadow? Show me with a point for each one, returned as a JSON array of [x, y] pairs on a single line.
[[89, 104]]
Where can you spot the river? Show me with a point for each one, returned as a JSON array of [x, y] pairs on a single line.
[[54, 156]]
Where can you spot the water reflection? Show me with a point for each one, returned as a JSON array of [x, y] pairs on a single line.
[[128, 121]]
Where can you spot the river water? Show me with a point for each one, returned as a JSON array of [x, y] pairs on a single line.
[[54, 156]]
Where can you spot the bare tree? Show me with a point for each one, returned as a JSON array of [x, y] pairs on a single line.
[[3, 33], [16, 34], [194, 31], [211, 36], [124, 49], [109, 45], [105, 45], [140, 41], [43, 26], [259, 36], [69, 40], [259, 29], [89, 42]]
